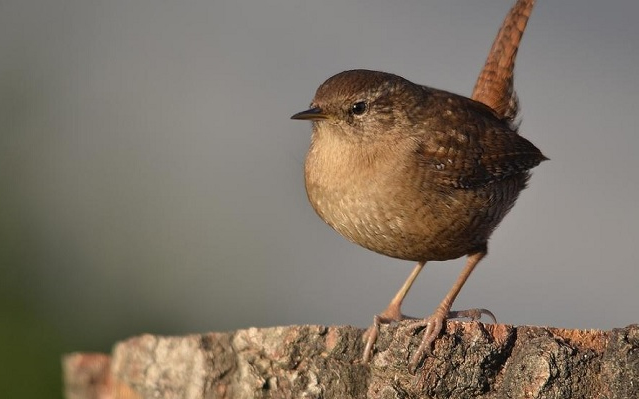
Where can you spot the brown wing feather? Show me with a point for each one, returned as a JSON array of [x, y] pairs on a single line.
[[471, 146]]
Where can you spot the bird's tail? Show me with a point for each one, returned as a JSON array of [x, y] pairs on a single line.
[[494, 85]]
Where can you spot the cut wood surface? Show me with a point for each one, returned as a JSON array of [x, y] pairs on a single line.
[[470, 360]]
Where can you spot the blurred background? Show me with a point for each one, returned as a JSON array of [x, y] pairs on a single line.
[[151, 180]]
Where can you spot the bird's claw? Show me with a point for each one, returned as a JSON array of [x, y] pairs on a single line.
[[389, 316], [434, 325], [371, 337], [473, 314]]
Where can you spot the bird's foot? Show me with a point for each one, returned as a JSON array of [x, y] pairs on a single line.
[[434, 326], [388, 316]]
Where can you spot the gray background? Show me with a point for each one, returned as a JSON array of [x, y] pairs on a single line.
[[151, 180]]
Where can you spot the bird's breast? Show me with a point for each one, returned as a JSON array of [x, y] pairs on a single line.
[[360, 190]]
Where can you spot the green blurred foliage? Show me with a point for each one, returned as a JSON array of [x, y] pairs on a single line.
[[30, 346], [30, 352]]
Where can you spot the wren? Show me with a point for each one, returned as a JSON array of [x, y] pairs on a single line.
[[418, 173]]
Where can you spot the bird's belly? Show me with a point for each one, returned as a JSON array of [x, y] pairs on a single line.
[[411, 224]]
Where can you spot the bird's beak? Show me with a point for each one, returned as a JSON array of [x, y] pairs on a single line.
[[313, 114]]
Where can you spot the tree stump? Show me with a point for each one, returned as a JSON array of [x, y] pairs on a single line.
[[469, 360]]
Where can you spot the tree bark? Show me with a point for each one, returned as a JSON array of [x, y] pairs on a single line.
[[470, 360]]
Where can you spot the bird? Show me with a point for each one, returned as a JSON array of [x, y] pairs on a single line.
[[420, 174]]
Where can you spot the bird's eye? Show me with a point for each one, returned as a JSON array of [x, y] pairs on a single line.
[[359, 108]]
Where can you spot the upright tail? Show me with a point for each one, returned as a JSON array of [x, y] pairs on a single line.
[[494, 85]]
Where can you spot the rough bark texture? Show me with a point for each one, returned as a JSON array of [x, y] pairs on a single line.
[[471, 360]]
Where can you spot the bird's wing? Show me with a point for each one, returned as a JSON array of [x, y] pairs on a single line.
[[472, 147]]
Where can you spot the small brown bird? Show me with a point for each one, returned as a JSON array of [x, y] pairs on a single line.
[[417, 173]]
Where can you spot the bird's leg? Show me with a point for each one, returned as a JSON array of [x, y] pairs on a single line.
[[435, 322], [392, 312]]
